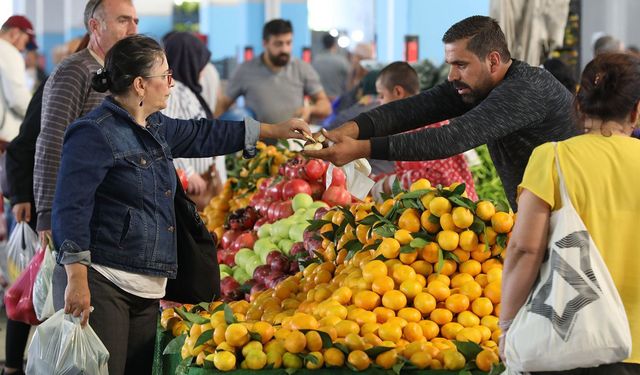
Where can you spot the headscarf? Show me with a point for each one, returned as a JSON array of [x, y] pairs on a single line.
[[187, 56]]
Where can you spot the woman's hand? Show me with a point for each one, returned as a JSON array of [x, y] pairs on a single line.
[[22, 211], [293, 128], [196, 184], [77, 297]]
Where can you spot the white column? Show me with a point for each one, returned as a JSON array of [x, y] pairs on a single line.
[[271, 9]]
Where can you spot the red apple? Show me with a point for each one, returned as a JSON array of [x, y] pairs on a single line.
[[295, 186], [320, 213], [316, 189], [278, 261], [246, 239], [228, 237], [297, 248], [273, 278], [314, 169], [274, 192], [257, 287], [336, 196], [338, 178], [259, 223], [261, 272], [294, 267], [271, 211], [284, 210], [228, 285]]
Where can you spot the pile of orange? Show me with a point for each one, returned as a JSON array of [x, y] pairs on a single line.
[[433, 281]]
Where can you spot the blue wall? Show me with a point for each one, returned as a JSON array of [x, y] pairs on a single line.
[[49, 40], [427, 18], [297, 13], [155, 26]]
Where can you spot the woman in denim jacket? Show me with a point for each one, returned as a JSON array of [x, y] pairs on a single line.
[[113, 215]]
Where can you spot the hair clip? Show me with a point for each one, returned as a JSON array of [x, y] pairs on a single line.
[[597, 79]]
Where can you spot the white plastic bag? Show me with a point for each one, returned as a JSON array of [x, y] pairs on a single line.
[[21, 247], [574, 316], [42, 290], [60, 346]]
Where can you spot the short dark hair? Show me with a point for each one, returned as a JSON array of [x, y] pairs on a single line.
[[610, 86], [606, 43], [131, 57], [276, 27], [401, 74], [484, 34], [328, 41]]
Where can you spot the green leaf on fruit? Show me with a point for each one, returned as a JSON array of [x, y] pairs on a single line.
[[348, 217], [255, 336], [314, 225], [502, 206], [374, 245], [415, 194], [459, 190], [396, 188], [341, 347], [468, 349], [486, 239], [330, 235], [208, 365], [290, 371], [204, 337], [465, 372], [229, 318], [175, 345], [204, 305], [407, 249], [377, 350], [220, 307], [428, 237], [398, 367], [452, 256], [191, 317], [386, 230], [478, 225], [353, 245], [440, 263], [501, 240], [497, 369], [433, 219], [369, 220], [310, 358], [418, 243], [463, 202]]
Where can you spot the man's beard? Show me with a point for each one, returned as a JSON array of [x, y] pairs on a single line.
[[279, 60], [475, 95]]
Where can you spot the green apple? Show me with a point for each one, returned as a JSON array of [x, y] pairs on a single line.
[[301, 200], [241, 275], [253, 264], [224, 274], [285, 245], [280, 228], [296, 232], [317, 204], [264, 230], [226, 269], [242, 256], [263, 244]]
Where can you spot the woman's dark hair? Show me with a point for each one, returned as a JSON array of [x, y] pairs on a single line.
[[131, 57], [562, 73], [610, 86]]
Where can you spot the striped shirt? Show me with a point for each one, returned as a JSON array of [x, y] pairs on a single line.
[[528, 108], [67, 96]]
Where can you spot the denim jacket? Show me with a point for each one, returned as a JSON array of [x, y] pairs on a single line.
[[113, 204]]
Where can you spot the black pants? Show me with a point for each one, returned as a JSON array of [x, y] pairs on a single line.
[[125, 323], [611, 369], [15, 343]]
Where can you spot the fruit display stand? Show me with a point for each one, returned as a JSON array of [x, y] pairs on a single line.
[[411, 284]]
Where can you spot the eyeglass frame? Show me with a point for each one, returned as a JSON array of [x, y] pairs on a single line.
[[168, 74]]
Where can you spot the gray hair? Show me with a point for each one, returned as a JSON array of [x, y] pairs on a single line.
[[90, 10], [606, 43]]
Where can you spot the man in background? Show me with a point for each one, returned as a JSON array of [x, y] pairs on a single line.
[[274, 84], [332, 67], [16, 33]]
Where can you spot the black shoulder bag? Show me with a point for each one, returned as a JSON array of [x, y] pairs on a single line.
[[198, 278]]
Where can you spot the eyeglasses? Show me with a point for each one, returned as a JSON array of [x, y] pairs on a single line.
[[168, 74]]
